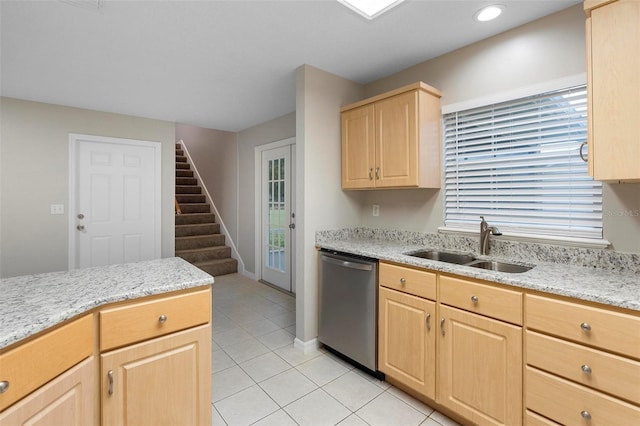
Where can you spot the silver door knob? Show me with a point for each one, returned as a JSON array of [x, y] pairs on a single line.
[[80, 227], [80, 216], [292, 226]]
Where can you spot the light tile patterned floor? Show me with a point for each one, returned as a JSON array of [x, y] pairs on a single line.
[[259, 378]]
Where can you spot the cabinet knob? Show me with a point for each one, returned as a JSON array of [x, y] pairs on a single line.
[[585, 415], [4, 385], [586, 369], [474, 299], [403, 281], [162, 319], [585, 326]]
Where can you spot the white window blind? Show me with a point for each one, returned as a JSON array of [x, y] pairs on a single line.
[[517, 163]]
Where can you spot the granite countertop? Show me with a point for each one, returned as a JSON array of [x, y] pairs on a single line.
[[615, 288], [33, 303]]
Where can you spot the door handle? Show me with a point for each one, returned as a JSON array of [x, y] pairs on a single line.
[[292, 226], [80, 227]]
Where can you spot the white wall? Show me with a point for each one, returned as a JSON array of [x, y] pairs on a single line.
[[321, 204], [550, 49], [214, 154], [35, 173], [275, 130]]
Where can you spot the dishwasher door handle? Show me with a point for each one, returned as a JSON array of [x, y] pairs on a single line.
[[347, 264]]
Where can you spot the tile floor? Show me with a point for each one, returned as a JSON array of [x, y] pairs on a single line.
[[259, 378]]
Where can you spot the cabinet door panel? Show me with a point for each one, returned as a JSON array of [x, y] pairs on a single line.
[[397, 140], [358, 148], [407, 340], [165, 381], [615, 87], [480, 368], [66, 400]]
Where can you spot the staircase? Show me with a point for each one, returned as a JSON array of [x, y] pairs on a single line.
[[198, 237]]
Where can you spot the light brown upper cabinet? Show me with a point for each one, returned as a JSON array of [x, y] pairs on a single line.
[[392, 140], [613, 84]]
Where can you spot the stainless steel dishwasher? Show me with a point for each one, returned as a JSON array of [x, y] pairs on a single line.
[[348, 300]]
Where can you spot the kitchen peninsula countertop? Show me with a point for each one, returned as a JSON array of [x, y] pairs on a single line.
[[33, 303], [619, 288]]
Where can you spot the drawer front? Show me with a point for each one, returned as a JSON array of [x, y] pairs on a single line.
[[533, 419], [136, 322], [494, 302], [606, 372], [570, 404], [29, 366], [407, 280], [601, 328]]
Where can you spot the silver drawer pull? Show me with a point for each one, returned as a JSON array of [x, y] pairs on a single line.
[[162, 319], [474, 299], [442, 326], [428, 320], [403, 281], [4, 385], [586, 369], [585, 326], [110, 377], [585, 415]]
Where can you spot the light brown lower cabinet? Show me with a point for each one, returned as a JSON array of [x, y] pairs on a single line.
[[66, 400], [407, 344], [163, 381], [572, 404], [480, 367]]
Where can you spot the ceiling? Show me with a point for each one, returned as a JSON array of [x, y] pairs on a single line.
[[224, 65]]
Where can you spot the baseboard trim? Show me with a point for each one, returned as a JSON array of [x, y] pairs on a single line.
[[248, 274], [308, 346]]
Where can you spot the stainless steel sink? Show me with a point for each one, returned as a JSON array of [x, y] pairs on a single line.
[[443, 256], [494, 265]]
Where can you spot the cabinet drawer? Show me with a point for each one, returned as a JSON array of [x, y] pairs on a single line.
[[140, 321], [533, 419], [412, 281], [34, 363], [606, 372], [601, 328], [569, 403], [483, 299]]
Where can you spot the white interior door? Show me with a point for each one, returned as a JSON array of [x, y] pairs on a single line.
[[276, 217], [115, 201]]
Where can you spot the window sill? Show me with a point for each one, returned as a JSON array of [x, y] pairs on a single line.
[[542, 239]]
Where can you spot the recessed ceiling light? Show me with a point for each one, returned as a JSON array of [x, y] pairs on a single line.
[[488, 13], [370, 9]]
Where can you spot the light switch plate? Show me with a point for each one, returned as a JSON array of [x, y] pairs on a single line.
[[57, 208], [376, 210]]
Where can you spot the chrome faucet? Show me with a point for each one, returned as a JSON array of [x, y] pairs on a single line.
[[485, 230]]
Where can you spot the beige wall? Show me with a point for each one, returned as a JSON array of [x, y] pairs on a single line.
[[215, 154], [35, 173], [321, 204], [272, 131], [551, 49]]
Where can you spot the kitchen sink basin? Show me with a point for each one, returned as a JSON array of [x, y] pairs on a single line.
[[494, 265], [443, 256]]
